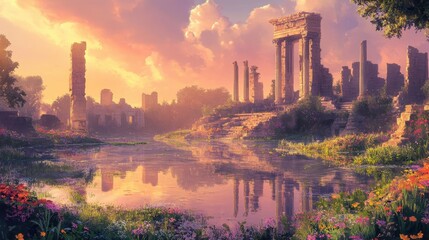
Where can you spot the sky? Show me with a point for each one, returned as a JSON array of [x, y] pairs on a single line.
[[136, 46]]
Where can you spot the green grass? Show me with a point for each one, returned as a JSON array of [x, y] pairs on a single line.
[[337, 149]]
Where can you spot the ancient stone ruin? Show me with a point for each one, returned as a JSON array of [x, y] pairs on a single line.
[[78, 119], [106, 98], [256, 87], [235, 96], [149, 100], [246, 82], [417, 74], [394, 79], [109, 117], [305, 28]]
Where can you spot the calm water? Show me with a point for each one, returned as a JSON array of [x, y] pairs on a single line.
[[229, 181]]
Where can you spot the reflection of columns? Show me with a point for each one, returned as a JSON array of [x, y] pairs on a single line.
[[236, 196], [278, 95], [279, 200], [246, 81], [236, 99], [289, 198], [106, 180], [246, 197], [258, 191], [289, 72], [305, 66], [362, 69], [150, 176]]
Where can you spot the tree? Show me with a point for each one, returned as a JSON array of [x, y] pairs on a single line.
[[395, 16], [61, 108], [11, 94], [33, 87]]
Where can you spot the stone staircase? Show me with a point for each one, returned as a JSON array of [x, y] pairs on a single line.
[[399, 136], [328, 105], [238, 126], [346, 106]]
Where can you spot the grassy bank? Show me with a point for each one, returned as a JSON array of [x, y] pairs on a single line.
[[337, 149]]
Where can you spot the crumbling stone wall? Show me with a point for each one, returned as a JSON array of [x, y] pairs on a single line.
[[417, 74], [394, 80]]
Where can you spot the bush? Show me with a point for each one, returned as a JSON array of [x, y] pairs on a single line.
[[373, 106]]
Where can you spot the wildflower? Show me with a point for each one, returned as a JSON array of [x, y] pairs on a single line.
[[356, 237], [413, 219], [311, 237], [417, 236], [335, 196], [362, 220], [404, 237], [381, 223], [399, 208], [270, 223], [20, 236], [355, 205], [74, 225], [63, 231], [425, 220], [43, 234], [171, 220]]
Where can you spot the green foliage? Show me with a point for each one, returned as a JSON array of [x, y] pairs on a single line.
[[394, 154], [425, 89], [11, 94], [393, 17], [338, 149], [373, 106]]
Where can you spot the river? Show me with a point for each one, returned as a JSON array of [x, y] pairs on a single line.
[[229, 181]]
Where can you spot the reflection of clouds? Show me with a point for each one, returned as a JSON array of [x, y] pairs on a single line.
[[251, 184]]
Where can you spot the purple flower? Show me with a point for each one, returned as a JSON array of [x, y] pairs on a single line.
[[381, 223], [356, 237], [312, 237], [425, 220], [270, 223]]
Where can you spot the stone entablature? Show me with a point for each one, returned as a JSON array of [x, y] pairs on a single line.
[[305, 28]]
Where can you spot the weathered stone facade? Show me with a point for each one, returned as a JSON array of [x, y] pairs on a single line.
[[349, 85], [351, 81], [305, 28], [256, 87], [149, 101], [417, 73], [115, 117], [394, 80], [106, 97], [77, 87]]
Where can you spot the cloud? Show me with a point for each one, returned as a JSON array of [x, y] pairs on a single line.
[[144, 46]]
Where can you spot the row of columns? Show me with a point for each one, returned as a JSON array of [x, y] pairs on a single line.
[[285, 93], [246, 89]]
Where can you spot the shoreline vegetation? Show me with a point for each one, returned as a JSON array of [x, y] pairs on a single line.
[[396, 208]]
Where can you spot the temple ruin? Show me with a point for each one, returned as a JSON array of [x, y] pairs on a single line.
[[305, 28], [256, 87], [395, 80], [235, 96], [106, 97], [78, 119], [417, 73], [109, 117], [149, 101]]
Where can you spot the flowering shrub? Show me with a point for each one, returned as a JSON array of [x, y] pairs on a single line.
[[399, 210]]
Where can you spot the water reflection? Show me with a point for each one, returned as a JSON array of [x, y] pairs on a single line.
[[230, 181]]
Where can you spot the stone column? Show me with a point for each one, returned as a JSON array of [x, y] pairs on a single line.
[[246, 81], [362, 69], [305, 66], [236, 97], [289, 72], [278, 95]]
